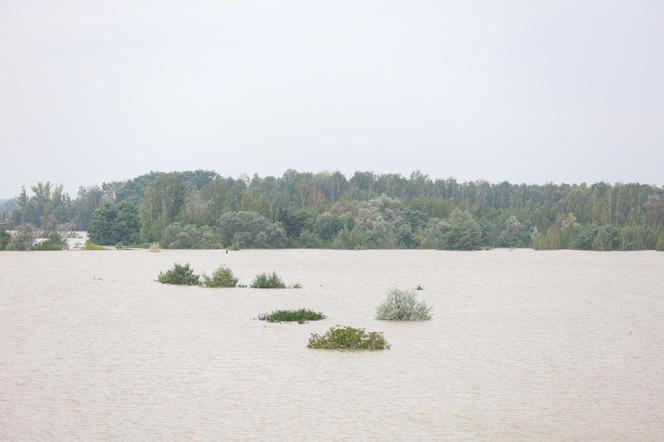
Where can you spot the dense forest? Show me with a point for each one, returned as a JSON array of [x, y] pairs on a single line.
[[201, 209]]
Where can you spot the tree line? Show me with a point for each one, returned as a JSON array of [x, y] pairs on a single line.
[[199, 209]]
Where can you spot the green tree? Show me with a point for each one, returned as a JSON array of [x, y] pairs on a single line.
[[4, 238], [84, 206], [515, 234], [462, 232], [189, 236], [115, 223], [162, 204], [294, 220], [250, 230]]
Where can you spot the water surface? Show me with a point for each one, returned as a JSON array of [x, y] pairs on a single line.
[[524, 345]]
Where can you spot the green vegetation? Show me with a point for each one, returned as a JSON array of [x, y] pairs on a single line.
[[222, 277], [179, 275], [268, 281], [113, 224], [90, 245], [348, 338], [328, 210], [161, 205], [22, 239], [403, 305], [515, 234], [4, 238], [189, 236], [53, 243], [460, 232], [242, 230], [301, 316]]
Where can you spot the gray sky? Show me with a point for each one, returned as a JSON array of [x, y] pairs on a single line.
[[525, 91]]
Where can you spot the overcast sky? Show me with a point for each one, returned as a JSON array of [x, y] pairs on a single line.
[[525, 91]]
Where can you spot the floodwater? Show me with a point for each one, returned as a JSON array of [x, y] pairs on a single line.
[[524, 345]]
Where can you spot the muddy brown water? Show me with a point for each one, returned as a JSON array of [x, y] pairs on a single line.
[[524, 345]]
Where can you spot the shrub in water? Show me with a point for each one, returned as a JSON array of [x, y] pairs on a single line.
[[22, 239], [301, 316], [222, 277], [348, 338], [89, 245], [265, 281], [154, 247], [403, 305], [53, 243], [179, 275]]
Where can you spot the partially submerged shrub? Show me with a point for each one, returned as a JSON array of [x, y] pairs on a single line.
[[403, 305], [154, 247], [89, 245], [222, 277], [297, 285], [22, 239], [419, 287], [53, 243], [179, 275], [348, 338], [265, 281], [301, 316]]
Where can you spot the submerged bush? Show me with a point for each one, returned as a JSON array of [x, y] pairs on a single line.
[[89, 245], [301, 316], [53, 243], [348, 338], [265, 281], [222, 277], [179, 275], [23, 238], [403, 305]]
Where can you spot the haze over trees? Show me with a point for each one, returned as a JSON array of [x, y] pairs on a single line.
[[197, 209]]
